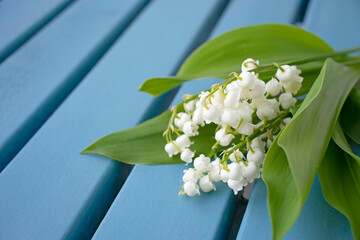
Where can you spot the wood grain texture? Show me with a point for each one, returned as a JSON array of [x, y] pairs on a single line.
[[50, 190], [148, 205], [337, 23], [20, 20], [39, 76]]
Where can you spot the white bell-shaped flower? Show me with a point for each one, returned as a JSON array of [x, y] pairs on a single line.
[[183, 118], [258, 156], [249, 64], [251, 171], [286, 121], [224, 175], [202, 163], [230, 116], [190, 106], [217, 99], [268, 143], [206, 184], [233, 86], [191, 189], [223, 138], [247, 80], [236, 155], [202, 96], [215, 170], [191, 175], [245, 111], [288, 74], [183, 142], [187, 155], [273, 87], [212, 114], [258, 143], [246, 128], [198, 116], [256, 102], [171, 149], [232, 99], [190, 129], [236, 185], [287, 100], [293, 87], [269, 109], [289, 78], [258, 89], [236, 171]]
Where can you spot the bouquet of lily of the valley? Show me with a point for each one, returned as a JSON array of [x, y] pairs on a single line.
[[285, 111]]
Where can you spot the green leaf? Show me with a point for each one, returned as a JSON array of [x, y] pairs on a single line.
[[299, 148], [144, 144], [350, 116], [339, 175], [224, 54]]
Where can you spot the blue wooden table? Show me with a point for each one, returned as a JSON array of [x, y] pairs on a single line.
[[69, 74]]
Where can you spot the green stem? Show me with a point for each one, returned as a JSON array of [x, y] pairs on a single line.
[[268, 67]]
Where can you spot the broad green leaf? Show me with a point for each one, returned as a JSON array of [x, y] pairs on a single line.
[[224, 54], [350, 116], [144, 144], [303, 143], [339, 175]]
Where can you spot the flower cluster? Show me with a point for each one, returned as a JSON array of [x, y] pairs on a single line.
[[248, 114]]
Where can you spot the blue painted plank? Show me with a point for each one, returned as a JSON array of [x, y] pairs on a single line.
[[334, 21], [50, 190], [337, 22], [20, 20], [36, 79], [148, 205], [318, 220]]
